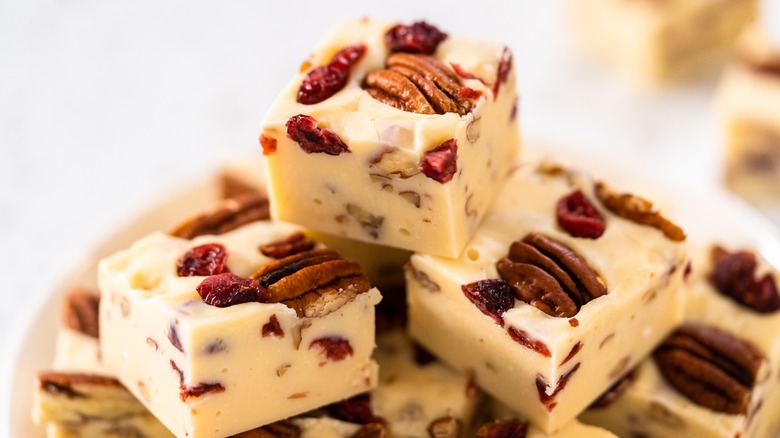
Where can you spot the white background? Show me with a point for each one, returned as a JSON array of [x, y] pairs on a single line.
[[103, 104]]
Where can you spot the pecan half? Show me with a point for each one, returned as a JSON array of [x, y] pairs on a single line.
[[614, 392], [279, 429], [74, 385], [639, 210], [549, 275], [711, 367], [734, 275], [297, 242], [227, 216], [80, 312], [417, 83], [513, 428], [314, 282]]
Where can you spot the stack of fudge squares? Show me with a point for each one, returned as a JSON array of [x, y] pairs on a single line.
[[400, 271]]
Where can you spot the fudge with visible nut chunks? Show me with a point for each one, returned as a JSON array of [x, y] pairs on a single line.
[[551, 303], [749, 103], [718, 375], [660, 41], [225, 325], [393, 134]]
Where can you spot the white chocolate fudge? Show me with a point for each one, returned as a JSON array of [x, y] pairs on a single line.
[[418, 394], [220, 334], [749, 105], [647, 403], [406, 152], [660, 41], [545, 321], [79, 397]]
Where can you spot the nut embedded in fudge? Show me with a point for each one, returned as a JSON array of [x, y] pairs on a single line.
[[393, 134], [661, 41], [718, 374], [551, 320], [280, 337], [749, 103]]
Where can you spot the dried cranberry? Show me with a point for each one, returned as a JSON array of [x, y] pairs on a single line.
[[335, 349], [268, 144], [327, 80], [504, 67], [208, 259], [441, 163], [733, 275], [465, 74], [524, 338], [227, 289], [303, 130], [493, 297], [579, 217], [356, 409], [420, 37]]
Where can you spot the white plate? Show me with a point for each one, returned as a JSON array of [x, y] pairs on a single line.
[[707, 215]]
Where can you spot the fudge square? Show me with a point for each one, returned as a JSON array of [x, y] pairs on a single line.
[[553, 301], [661, 41], [393, 134], [218, 334], [718, 375], [749, 103]]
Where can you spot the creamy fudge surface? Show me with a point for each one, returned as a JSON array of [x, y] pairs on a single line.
[[749, 106], [395, 176], [652, 406], [214, 371], [546, 367], [656, 42]]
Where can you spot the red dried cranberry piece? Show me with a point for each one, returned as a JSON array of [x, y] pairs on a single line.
[[734, 276], [335, 349], [420, 37], [327, 80], [441, 163], [579, 217], [504, 67], [227, 289], [493, 297], [465, 74], [303, 130], [208, 259]]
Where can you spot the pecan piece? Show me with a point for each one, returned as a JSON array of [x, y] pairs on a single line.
[[734, 275], [312, 282], [229, 215], [710, 367], [513, 428], [418, 83], [279, 429], [639, 210], [549, 275], [80, 312], [372, 430], [445, 427]]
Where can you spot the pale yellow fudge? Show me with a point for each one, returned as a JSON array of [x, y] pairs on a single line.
[[648, 404], [79, 398], [656, 41], [544, 320], [408, 151], [220, 334], [749, 106]]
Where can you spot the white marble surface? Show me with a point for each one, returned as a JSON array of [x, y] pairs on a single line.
[[105, 103]]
